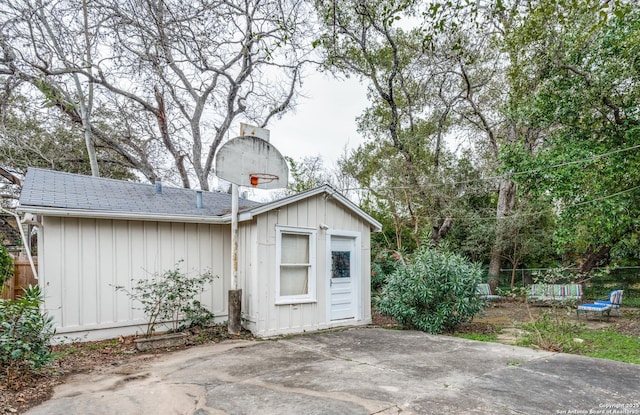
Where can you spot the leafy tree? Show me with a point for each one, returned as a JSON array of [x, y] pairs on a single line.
[[529, 237], [430, 79], [405, 153], [576, 78], [307, 174]]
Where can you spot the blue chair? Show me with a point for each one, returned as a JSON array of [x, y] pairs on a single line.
[[615, 299]]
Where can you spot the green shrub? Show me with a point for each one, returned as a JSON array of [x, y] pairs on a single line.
[[171, 296], [382, 265], [435, 291], [6, 266], [25, 334]]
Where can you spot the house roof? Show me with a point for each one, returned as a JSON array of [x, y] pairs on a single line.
[[48, 192], [54, 192]]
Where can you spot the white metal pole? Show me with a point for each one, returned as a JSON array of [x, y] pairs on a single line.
[[234, 236], [235, 294]]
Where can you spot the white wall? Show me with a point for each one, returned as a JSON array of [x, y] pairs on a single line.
[[81, 260], [267, 319]]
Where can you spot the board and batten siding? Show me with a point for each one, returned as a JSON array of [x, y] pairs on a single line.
[[82, 260], [264, 317]]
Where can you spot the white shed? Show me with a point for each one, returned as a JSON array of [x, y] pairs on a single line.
[[304, 261]]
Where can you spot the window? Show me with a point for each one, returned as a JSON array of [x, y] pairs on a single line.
[[340, 264], [295, 274]]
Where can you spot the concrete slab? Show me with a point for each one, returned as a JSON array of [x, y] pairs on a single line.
[[357, 371]]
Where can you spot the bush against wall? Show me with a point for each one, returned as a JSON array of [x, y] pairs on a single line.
[[25, 335], [434, 292], [172, 297]]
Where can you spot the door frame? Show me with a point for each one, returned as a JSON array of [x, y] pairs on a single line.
[[356, 278]]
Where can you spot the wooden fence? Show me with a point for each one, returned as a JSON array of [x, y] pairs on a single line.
[[22, 278]]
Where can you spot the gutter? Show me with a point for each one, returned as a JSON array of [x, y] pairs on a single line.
[[96, 214]]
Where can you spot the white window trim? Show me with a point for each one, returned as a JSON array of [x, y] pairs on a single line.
[[310, 297]]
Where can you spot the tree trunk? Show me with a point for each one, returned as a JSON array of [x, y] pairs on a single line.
[[593, 258], [87, 107], [440, 231], [506, 202]]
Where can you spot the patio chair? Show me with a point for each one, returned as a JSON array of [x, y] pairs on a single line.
[[615, 299], [484, 291]]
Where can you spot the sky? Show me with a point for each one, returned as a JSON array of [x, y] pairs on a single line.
[[324, 121]]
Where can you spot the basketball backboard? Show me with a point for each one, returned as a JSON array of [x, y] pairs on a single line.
[[253, 162]]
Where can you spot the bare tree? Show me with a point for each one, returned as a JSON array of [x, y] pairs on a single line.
[[188, 69]]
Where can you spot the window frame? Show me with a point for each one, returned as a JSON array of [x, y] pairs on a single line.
[[310, 296]]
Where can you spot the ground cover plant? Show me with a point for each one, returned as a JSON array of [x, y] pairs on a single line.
[[609, 344], [25, 335]]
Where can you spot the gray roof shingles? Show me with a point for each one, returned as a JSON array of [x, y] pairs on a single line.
[[53, 189]]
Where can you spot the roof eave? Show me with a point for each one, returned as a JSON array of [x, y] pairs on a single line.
[[326, 189], [105, 214]]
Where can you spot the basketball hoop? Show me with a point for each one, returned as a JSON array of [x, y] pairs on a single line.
[[262, 178]]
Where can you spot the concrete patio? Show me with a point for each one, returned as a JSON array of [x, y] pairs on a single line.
[[357, 371]]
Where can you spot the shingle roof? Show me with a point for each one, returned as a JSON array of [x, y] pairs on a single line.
[[53, 189]]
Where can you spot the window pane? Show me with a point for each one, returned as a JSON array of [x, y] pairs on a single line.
[[294, 280], [340, 264], [295, 249]]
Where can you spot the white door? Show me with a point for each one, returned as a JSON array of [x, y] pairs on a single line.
[[343, 275]]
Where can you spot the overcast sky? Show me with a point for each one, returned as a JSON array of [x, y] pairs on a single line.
[[323, 123], [324, 120]]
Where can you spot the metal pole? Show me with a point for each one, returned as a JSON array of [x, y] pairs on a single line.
[[235, 294], [234, 236]]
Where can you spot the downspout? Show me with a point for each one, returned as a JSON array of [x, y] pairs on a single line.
[[24, 239]]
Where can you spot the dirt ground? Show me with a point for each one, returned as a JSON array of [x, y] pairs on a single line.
[[18, 395], [512, 312]]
